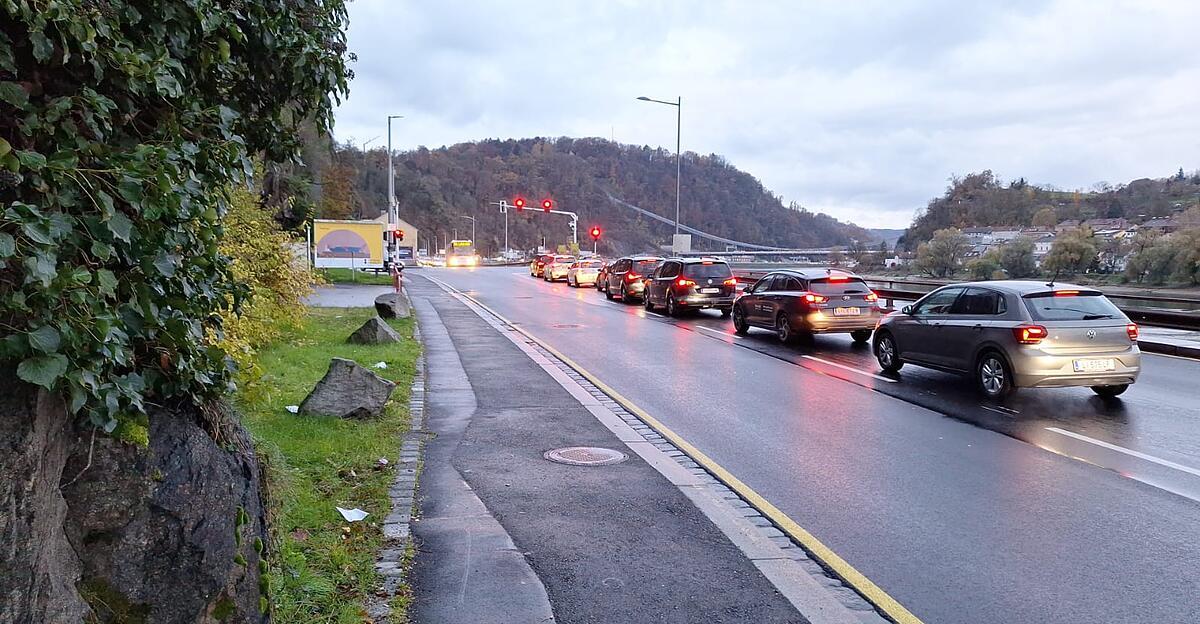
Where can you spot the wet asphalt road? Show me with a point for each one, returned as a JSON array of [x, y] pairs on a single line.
[[1053, 507]]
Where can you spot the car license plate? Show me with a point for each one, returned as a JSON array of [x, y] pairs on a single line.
[[709, 291], [1095, 366], [846, 311]]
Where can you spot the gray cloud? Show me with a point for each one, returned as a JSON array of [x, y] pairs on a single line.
[[859, 109]]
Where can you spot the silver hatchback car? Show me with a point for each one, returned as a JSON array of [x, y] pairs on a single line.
[[1014, 334]]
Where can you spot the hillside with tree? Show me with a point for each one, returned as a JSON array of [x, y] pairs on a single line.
[[435, 188], [982, 199]]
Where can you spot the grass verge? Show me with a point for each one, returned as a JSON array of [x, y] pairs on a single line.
[[346, 276], [322, 568]]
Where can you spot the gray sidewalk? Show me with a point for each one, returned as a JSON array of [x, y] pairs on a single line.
[[499, 522], [1181, 342]]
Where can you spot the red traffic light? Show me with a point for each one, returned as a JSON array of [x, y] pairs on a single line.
[[547, 205], [519, 203], [398, 235], [595, 233]]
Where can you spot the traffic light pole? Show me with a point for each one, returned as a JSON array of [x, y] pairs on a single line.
[[504, 206]]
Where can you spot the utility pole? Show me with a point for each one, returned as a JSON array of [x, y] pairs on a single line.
[[393, 212], [678, 104]]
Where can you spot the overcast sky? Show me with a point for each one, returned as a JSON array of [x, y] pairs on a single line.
[[860, 109]]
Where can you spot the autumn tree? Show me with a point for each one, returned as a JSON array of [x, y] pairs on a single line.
[[1046, 217], [942, 254], [339, 198], [1072, 252], [1016, 258]]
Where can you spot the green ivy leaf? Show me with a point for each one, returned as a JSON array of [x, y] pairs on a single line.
[[107, 281], [42, 47], [37, 232], [41, 267], [31, 160], [5, 147], [165, 264], [101, 250], [42, 370], [8, 245], [14, 94], [120, 226], [45, 339]]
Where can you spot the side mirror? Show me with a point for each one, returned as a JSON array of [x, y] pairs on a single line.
[[906, 310]]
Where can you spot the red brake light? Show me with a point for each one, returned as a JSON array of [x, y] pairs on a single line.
[[630, 276], [811, 298], [1065, 293], [1030, 334], [731, 281], [683, 281], [1132, 330], [872, 297], [838, 278]]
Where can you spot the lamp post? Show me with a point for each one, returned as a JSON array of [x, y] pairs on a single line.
[[472, 226], [393, 214], [678, 104]]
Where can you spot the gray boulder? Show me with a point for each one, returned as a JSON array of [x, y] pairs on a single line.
[[374, 331], [392, 305], [348, 391]]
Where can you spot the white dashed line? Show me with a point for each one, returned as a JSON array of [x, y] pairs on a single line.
[[847, 368], [1120, 449]]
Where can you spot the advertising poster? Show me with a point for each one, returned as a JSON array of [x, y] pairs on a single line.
[[347, 244]]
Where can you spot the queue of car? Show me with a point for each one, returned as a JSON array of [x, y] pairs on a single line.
[[1003, 334]]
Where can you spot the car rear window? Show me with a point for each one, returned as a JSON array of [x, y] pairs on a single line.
[[645, 266], [850, 286], [1076, 307], [707, 270], [590, 264]]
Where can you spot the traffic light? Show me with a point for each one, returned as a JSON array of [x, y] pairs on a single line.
[[547, 205], [519, 203], [397, 234], [595, 233]]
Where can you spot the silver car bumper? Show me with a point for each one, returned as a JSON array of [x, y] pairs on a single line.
[[823, 321], [1036, 369]]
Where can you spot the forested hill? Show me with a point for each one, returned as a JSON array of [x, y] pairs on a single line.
[[982, 199], [436, 188]]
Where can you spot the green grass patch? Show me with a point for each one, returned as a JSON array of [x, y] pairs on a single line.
[[346, 276], [322, 568]]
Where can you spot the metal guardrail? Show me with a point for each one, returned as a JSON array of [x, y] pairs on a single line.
[[1176, 312]]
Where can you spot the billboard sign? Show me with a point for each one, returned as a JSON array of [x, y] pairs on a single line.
[[348, 244]]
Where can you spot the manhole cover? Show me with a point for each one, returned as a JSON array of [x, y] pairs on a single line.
[[566, 326], [585, 456]]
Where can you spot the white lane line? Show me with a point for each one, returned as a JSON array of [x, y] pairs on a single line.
[[1006, 412], [718, 332], [847, 368], [1130, 452]]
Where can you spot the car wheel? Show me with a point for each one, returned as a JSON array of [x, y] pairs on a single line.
[[861, 336], [725, 312], [1110, 392], [646, 303], [739, 321], [993, 376], [672, 307], [783, 329], [887, 354], [608, 294]]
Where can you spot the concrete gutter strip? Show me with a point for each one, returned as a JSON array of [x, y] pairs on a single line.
[[1168, 346]]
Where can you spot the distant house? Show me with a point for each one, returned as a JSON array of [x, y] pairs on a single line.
[[978, 235], [1069, 224], [1107, 224], [1164, 225], [1041, 247]]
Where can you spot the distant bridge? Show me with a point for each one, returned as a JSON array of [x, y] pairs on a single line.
[[760, 249]]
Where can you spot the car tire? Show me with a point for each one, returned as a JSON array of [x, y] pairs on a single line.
[[783, 329], [887, 354], [993, 376], [861, 336], [646, 303], [672, 307], [608, 294], [739, 321], [1110, 392], [725, 312]]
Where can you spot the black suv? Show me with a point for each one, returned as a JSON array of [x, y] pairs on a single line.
[[682, 284]]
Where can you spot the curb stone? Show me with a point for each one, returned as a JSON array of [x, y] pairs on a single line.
[[396, 526]]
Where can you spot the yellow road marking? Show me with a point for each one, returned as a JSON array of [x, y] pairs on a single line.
[[820, 551]]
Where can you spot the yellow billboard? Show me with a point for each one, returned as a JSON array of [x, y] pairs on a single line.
[[347, 244]]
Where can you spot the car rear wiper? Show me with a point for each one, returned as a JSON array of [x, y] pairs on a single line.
[[1093, 317]]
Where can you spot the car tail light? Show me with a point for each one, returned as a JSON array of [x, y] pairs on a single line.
[[872, 297], [731, 281], [683, 281], [1030, 334], [838, 278], [630, 276], [1065, 293], [1132, 330], [811, 298]]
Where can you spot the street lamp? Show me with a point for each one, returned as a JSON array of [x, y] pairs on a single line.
[[472, 227], [393, 214], [678, 104]]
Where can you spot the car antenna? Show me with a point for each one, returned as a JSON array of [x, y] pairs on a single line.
[[1054, 278]]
